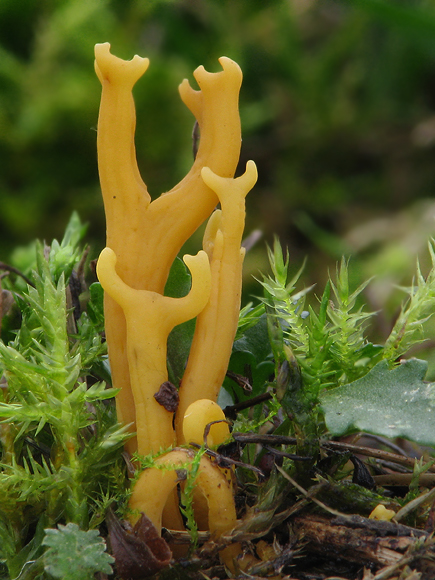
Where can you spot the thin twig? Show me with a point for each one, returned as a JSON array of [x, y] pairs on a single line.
[[245, 438], [224, 461], [8, 268], [309, 496]]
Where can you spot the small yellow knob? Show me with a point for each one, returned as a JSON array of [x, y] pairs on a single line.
[[196, 418], [382, 513]]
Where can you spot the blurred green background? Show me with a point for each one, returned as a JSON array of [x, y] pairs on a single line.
[[337, 108]]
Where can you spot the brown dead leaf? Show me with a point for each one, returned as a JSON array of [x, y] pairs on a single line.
[[139, 551], [167, 396]]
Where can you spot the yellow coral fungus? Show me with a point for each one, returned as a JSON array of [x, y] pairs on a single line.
[[217, 324], [146, 350], [155, 485], [205, 422], [143, 239], [146, 236]]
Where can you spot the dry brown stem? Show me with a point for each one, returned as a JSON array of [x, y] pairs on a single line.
[[368, 542]]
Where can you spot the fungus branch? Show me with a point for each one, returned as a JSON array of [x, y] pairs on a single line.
[[146, 351], [143, 239], [155, 485], [146, 237], [216, 325]]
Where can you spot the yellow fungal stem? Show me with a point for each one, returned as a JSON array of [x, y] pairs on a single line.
[[145, 236], [196, 419], [214, 225], [143, 239], [216, 325], [159, 229], [123, 190], [156, 484], [149, 318]]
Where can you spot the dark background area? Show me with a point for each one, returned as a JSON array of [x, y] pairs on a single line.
[[337, 108]]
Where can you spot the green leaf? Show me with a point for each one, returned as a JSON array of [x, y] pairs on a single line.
[[63, 257], [180, 339], [252, 353], [95, 306], [99, 392], [29, 556], [74, 554], [392, 403], [179, 280], [255, 341], [248, 317], [416, 311]]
